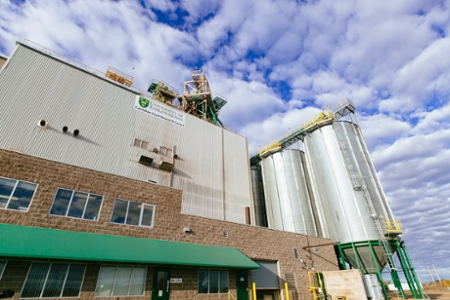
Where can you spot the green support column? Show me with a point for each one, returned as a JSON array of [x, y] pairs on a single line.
[[377, 268], [414, 278], [406, 270], [396, 280], [341, 258], [358, 264]]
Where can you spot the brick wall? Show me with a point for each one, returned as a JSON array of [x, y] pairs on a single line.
[[256, 242]]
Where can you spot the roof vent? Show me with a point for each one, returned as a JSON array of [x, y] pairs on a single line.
[[295, 250]]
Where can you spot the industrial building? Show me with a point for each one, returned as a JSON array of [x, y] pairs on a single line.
[[107, 190]]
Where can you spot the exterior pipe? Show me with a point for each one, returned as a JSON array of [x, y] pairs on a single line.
[[286, 289]]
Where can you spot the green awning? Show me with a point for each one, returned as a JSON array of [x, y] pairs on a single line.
[[34, 242]]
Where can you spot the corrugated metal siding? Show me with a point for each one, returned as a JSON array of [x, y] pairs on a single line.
[[34, 86], [343, 208], [286, 193], [258, 197], [237, 176]]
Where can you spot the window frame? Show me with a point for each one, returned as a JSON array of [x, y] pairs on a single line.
[[17, 181], [70, 203], [219, 281], [66, 275], [116, 267], [141, 213], [4, 267]]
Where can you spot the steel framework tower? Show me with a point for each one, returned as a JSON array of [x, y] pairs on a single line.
[[197, 99]]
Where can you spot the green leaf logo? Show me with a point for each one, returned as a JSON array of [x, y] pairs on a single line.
[[143, 102]]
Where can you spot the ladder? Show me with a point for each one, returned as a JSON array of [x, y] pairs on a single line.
[[359, 184]]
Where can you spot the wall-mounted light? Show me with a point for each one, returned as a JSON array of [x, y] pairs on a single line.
[[187, 230]]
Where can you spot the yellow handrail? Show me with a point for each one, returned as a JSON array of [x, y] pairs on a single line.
[[231, 295], [393, 226]]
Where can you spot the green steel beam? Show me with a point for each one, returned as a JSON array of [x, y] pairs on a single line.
[[405, 262], [377, 267], [414, 277]]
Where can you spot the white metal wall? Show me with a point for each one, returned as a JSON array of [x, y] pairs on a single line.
[[212, 167]]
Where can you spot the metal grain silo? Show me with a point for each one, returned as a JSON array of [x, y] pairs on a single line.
[[259, 207], [286, 193], [351, 204], [350, 198]]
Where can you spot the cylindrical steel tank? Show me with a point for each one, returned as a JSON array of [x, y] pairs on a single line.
[[259, 207], [349, 197], [288, 202]]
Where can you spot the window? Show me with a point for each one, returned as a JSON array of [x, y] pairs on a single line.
[[16, 194], [2, 268], [121, 281], [132, 213], [54, 280], [76, 204], [212, 281]]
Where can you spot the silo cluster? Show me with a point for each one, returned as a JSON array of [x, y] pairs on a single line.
[[330, 189]]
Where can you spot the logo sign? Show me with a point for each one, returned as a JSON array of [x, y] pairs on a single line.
[[143, 102], [160, 111]]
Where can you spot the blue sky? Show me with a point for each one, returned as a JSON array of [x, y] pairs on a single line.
[[279, 63]]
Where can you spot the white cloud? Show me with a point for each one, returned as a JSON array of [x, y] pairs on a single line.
[[390, 57], [275, 127], [198, 9], [381, 130]]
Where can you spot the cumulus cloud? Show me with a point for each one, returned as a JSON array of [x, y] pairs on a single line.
[[278, 63]]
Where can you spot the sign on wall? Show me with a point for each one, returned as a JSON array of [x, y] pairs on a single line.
[[160, 111]]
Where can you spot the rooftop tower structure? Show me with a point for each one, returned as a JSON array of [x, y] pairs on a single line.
[[197, 99]]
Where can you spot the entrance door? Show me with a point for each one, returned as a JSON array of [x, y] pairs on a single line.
[[242, 285], [161, 284]]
